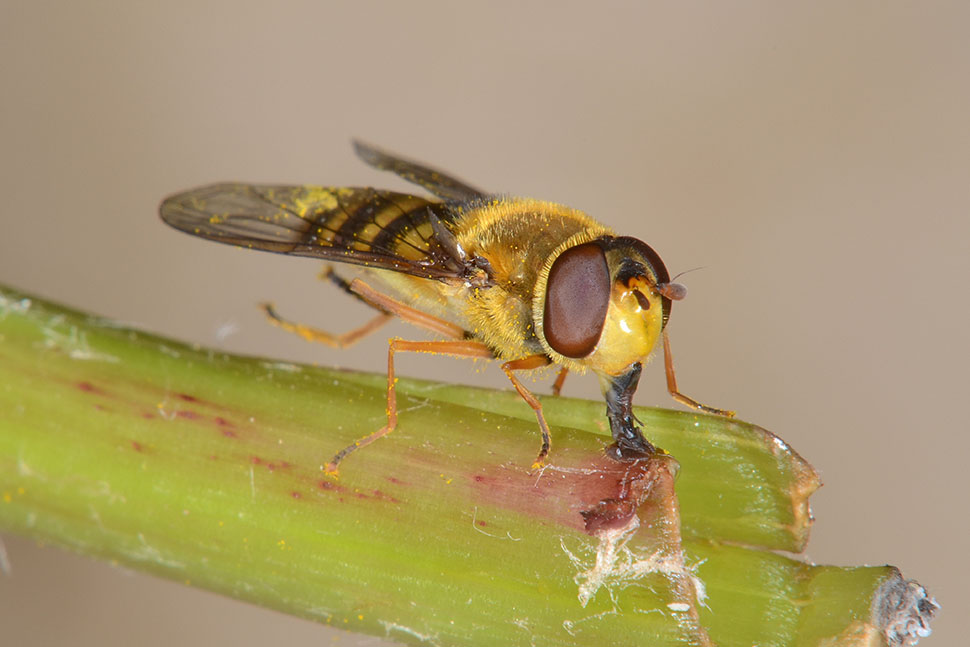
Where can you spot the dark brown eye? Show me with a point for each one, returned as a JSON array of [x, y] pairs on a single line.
[[577, 296]]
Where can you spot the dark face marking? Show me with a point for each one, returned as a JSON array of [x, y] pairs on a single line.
[[642, 299], [659, 270], [577, 297]]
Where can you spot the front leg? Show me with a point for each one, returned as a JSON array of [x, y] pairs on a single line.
[[677, 395], [629, 443]]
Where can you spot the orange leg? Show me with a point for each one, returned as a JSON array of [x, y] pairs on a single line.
[[463, 348], [672, 385], [322, 336], [457, 346], [312, 334], [526, 364], [387, 306], [411, 315], [560, 379]]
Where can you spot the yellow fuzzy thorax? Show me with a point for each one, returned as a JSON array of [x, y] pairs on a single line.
[[519, 237]]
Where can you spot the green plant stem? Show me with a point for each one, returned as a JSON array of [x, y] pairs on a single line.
[[206, 468]]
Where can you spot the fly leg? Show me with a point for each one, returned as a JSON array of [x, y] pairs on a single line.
[[677, 395], [328, 274], [527, 364], [458, 348], [628, 441], [560, 380], [456, 345], [312, 334], [411, 315]]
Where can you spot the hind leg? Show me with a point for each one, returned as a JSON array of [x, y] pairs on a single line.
[[313, 334]]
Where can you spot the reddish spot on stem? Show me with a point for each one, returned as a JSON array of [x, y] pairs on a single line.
[[384, 496], [188, 415], [330, 486], [137, 446], [296, 495], [87, 387], [271, 466], [482, 523], [227, 428], [187, 397]]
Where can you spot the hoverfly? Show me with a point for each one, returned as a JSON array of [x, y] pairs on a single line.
[[528, 282]]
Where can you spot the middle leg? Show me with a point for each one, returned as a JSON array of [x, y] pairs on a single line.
[[464, 348], [527, 364]]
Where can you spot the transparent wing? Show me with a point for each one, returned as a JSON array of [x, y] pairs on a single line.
[[364, 226], [442, 185]]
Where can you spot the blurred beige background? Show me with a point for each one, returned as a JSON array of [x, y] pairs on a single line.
[[813, 157]]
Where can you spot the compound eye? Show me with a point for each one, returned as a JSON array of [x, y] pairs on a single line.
[[577, 297]]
